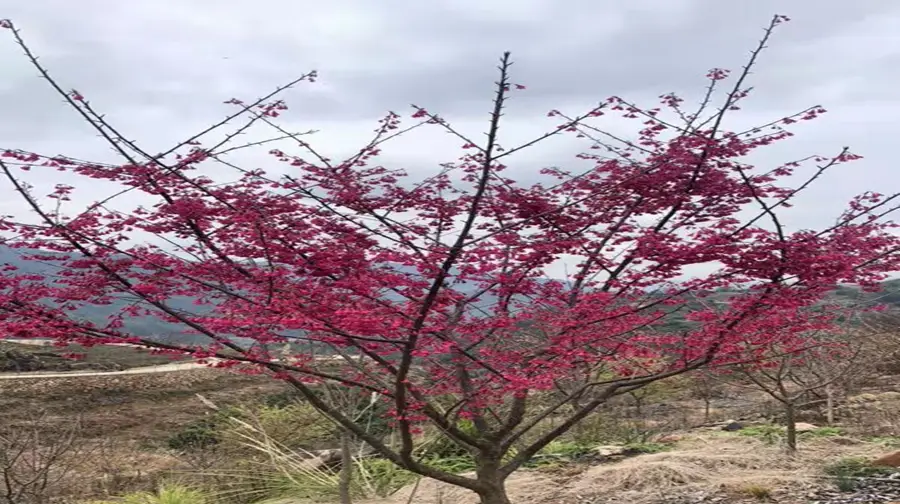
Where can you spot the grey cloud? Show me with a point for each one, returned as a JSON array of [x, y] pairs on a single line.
[[161, 69]]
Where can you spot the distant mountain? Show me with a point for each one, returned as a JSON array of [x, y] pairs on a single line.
[[145, 326], [151, 327]]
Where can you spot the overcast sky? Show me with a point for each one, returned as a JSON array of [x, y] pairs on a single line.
[[160, 70]]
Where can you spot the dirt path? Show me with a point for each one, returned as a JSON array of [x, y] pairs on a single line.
[[161, 368], [49, 342]]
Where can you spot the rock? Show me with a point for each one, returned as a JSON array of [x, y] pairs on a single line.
[[863, 398], [805, 427], [732, 427], [609, 451], [670, 439], [326, 458], [889, 460]]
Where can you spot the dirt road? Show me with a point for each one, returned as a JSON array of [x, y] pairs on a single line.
[[162, 368]]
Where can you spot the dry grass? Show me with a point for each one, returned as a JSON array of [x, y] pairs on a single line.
[[713, 463], [710, 462]]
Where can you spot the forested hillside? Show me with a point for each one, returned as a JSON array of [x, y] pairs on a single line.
[[148, 326]]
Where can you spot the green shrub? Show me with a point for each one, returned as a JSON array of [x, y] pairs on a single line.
[[854, 467], [196, 435], [380, 477], [281, 399], [647, 447], [888, 441], [769, 434], [456, 465], [559, 452], [295, 425], [167, 494], [436, 446], [823, 432], [568, 449], [601, 429], [202, 433]]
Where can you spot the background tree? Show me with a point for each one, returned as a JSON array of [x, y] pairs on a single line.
[[795, 377], [36, 458], [438, 287], [706, 386]]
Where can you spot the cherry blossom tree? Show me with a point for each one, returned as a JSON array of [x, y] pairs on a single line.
[[435, 290]]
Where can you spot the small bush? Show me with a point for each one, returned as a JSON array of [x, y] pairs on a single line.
[[888, 441], [845, 484], [295, 425], [846, 471], [456, 465], [196, 435], [769, 434], [567, 449], [380, 477], [610, 429], [437, 446], [281, 399], [854, 467], [824, 432], [202, 433], [636, 448], [758, 492]]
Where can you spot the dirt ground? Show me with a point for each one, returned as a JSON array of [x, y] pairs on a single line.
[[142, 408], [135, 413]]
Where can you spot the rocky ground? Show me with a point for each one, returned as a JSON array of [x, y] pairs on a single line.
[[864, 491]]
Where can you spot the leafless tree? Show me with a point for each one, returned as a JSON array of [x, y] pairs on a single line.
[[37, 459], [796, 378]]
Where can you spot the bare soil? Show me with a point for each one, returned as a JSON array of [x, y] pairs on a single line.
[[140, 408]]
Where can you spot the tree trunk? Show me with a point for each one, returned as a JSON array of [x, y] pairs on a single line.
[[790, 420], [488, 474], [496, 495], [706, 408], [346, 475], [829, 405], [638, 406]]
